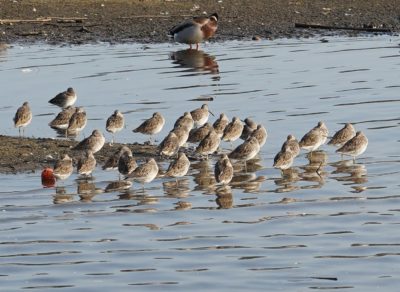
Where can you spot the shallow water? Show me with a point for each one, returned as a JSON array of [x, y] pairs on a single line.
[[336, 230]]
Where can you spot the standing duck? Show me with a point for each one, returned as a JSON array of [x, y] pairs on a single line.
[[196, 30]]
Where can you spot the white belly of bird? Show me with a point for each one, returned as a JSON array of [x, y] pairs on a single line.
[[189, 35], [99, 144], [70, 101]]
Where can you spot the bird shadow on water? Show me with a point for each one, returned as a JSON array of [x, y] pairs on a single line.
[[195, 61]]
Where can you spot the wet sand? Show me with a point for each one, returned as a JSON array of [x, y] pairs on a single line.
[[82, 21]]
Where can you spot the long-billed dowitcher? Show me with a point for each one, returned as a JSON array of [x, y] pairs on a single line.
[[291, 144], [186, 121], [94, 142], [77, 122], [63, 168], [248, 128], [170, 145], [146, 172], [179, 167], [22, 117], [284, 159], [355, 146], [86, 164], [209, 144], [220, 124], [317, 136], [260, 133], [198, 134], [182, 133], [60, 122], [115, 123], [151, 126], [126, 163], [247, 150], [112, 160], [223, 170], [233, 130], [200, 115], [343, 135], [196, 30], [65, 98]]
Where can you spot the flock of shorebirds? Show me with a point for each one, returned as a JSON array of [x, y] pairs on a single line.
[[191, 127]]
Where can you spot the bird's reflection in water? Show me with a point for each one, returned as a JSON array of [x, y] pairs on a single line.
[[245, 175], [86, 190], [287, 180], [203, 175], [173, 189], [182, 205], [314, 170], [61, 196], [118, 185], [197, 61], [224, 197], [354, 173]]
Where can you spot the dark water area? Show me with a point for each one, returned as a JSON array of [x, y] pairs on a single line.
[[335, 229]]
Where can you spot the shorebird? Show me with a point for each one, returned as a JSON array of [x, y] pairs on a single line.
[[355, 146], [126, 163], [63, 168], [94, 142], [146, 172], [60, 122], [151, 126], [170, 145], [200, 115], [220, 124], [186, 121], [115, 123], [247, 150], [22, 117], [198, 134], [233, 130], [182, 133], [179, 167], [291, 144], [223, 170], [343, 135], [112, 161], [284, 159], [196, 30], [65, 98], [314, 138], [248, 128], [87, 164], [209, 144], [260, 133], [77, 122]]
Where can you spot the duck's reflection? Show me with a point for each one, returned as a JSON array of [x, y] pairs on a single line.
[[197, 60]]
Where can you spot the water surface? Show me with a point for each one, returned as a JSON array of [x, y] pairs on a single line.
[[332, 230]]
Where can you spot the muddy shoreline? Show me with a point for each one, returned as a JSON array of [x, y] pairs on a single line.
[[148, 21], [21, 154]]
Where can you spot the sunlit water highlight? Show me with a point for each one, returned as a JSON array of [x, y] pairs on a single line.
[[332, 230]]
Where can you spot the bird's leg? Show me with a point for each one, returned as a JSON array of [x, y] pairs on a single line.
[[190, 46], [197, 46]]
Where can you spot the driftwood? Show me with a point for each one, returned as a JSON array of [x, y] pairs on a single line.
[[44, 20], [319, 26], [152, 16]]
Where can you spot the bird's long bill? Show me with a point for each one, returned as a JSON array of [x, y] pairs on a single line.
[[211, 113]]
